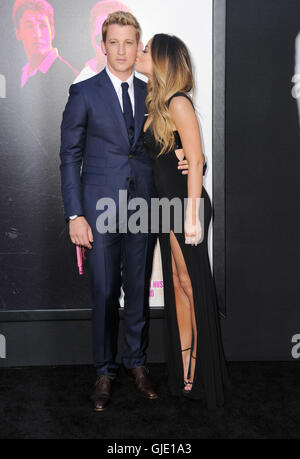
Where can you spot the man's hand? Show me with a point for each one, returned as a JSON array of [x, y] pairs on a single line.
[[81, 232], [184, 165]]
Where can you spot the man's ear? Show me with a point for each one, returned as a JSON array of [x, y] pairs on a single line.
[[103, 47]]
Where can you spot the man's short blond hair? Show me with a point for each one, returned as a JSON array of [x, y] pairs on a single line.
[[121, 18]]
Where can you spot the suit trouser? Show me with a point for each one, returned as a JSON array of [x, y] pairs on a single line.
[[116, 259]]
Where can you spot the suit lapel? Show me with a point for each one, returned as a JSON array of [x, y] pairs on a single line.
[[112, 103], [139, 107]]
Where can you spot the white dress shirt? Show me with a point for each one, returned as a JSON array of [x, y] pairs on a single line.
[[118, 88]]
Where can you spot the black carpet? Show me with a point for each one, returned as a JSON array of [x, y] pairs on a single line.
[[53, 402]]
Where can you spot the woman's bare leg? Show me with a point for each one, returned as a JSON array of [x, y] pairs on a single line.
[[183, 320], [184, 307]]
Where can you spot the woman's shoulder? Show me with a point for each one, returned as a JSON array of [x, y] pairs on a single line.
[[180, 93]]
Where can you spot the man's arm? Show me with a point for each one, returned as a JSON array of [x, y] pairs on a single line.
[[73, 134]]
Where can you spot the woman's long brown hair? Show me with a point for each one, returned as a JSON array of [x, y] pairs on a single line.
[[172, 72]]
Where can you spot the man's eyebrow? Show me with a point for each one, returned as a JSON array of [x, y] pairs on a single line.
[[131, 39]]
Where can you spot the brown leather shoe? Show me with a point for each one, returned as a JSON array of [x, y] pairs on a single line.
[[143, 383], [102, 392]]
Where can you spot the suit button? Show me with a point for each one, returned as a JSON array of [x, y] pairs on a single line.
[[127, 179], [130, 156]]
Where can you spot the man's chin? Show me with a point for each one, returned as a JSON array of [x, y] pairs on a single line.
[[123, 67]]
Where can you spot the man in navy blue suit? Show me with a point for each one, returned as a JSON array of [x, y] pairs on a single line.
[[102, 152]]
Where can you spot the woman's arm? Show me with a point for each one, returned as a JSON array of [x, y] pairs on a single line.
[[185, 120]]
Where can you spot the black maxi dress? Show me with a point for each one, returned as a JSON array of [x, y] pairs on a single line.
[[211, 375]]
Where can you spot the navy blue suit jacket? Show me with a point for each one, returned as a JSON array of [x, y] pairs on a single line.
[[95, 149]]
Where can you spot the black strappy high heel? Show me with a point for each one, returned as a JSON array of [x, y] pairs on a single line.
[[185, 382], [186, 393]]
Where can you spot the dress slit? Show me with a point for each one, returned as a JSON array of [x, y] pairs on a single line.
[[210, 372], [179, 256]]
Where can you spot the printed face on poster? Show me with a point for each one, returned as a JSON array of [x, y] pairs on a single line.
[[47, 46]]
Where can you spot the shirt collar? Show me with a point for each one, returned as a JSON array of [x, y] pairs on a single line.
[[117, 82], [43, 67], [48, 61]]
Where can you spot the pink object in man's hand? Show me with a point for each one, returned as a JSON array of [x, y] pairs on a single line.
[[80, 252]]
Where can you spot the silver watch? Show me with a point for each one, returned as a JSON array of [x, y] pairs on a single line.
[[73, 217]]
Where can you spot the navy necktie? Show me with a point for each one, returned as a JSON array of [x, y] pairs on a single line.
[[127, 111]]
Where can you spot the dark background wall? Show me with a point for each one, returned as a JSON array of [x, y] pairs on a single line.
[[262, 180]]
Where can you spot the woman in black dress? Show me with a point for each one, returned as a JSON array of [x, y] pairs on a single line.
[[196, 363]]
